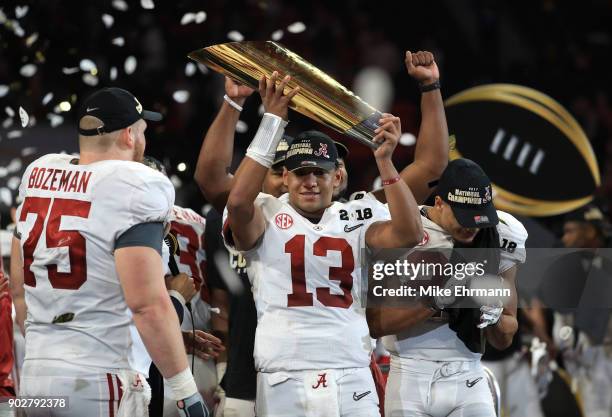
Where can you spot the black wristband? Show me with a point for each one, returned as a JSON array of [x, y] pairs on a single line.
[[430, 87]]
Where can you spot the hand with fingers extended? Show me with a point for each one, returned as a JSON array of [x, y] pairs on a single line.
[[387, 136], [204, 345], [237, 92], [422, 67], [273, 97]]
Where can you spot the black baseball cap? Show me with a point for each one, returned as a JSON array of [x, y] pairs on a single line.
[[467, 190], [116, 108], [281, 151], [589, 213], [342, 150], [312, 149]]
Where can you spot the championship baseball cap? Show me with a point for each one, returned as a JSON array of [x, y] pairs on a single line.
[[116, 108], [589, 213], [281, 150], [342, 150], [312, 149], [467, 190]]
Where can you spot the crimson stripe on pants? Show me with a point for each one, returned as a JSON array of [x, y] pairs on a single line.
[[111, 399]]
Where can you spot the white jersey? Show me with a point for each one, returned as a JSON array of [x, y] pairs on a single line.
[[434, 340], [188, 227], [69, 221], [307, 286]]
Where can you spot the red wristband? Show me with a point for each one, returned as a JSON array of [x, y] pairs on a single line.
[[391, 181]]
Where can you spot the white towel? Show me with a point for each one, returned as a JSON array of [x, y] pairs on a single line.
[[321, 394], [136, 394]]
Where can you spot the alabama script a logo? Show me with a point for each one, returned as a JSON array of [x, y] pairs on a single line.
[[321, 381]]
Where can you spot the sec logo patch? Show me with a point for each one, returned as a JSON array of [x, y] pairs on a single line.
[[283, 221]]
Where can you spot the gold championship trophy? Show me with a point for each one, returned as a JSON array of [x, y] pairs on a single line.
[[321, 98]]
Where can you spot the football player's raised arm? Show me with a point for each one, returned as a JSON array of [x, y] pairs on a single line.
[[212, 170], [16, 284], [500, 334], [404, 230], [431, 152], [245, 219]]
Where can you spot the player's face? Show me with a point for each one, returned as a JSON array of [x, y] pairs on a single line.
[[273, 182], [311, 189], [575, 235], [343, 178], [140, 142], [452, 226]]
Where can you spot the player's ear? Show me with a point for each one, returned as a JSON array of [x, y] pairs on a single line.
[[438, 203], [285, 177], [337, 177], [126, 137]]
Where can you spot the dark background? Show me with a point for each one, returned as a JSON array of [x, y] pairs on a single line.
[[561, 48]]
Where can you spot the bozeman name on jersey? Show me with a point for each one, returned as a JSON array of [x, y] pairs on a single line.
[[434, 340], [307, 286], [69, 221]]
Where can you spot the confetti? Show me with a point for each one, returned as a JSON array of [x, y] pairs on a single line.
[[10, 112], [23, 115], [203, 68], [181, 96], [277, 35], [205, 209], [89, 79], [4, 89], [13, 183], [241, 127], [15, 165], [187, 18], [113, 73], [87, 65], [108, 20], [28, 70], [71, 70], [377, 183], [235, 36], [297, 27], [64, 106], [130, 65], [119, 41], [147, 4], [3, 172], [261, 110], [176, 181], [120, 5], [55, 119], [6, 196], [31, 39], [30, 150], [200, 17], [21, 11], [17, 29], [407, 139], [190, 69], [47, 98], [13, 134], [8, 122]]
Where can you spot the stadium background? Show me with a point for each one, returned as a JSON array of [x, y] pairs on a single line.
[[560, 48]]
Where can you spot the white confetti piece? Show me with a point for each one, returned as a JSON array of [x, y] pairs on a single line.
[[205, 209], [377, 183], [32, 121], [187, 18], [235, 36], [297, 27], [113, 73], [108, 20], [63, 106], [23, 115], [13, 183], [17, 29], [147, 4], [30, 150], [203, 68], [261, 110], [200, 17], [31, 39], [4, 89], [241, 127], [55, 119], [21, 11], [28, 70], [3, 172], [190, 69], [9, 111], [130, 64], [6, 196], [47, 98], [89, 79], [2, 16], [176, 181], [407, 139], [181, 96], [118, 41], [70, 70], [87, 65], [120, 5], [13, 134], [8, 122], [277, 35], [15, 165]]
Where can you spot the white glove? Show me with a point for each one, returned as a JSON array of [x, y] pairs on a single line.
[[489, 315]]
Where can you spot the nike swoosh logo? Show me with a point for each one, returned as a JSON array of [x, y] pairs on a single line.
[[348, 229], [92, 109], [473, 382], [360, 396]]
